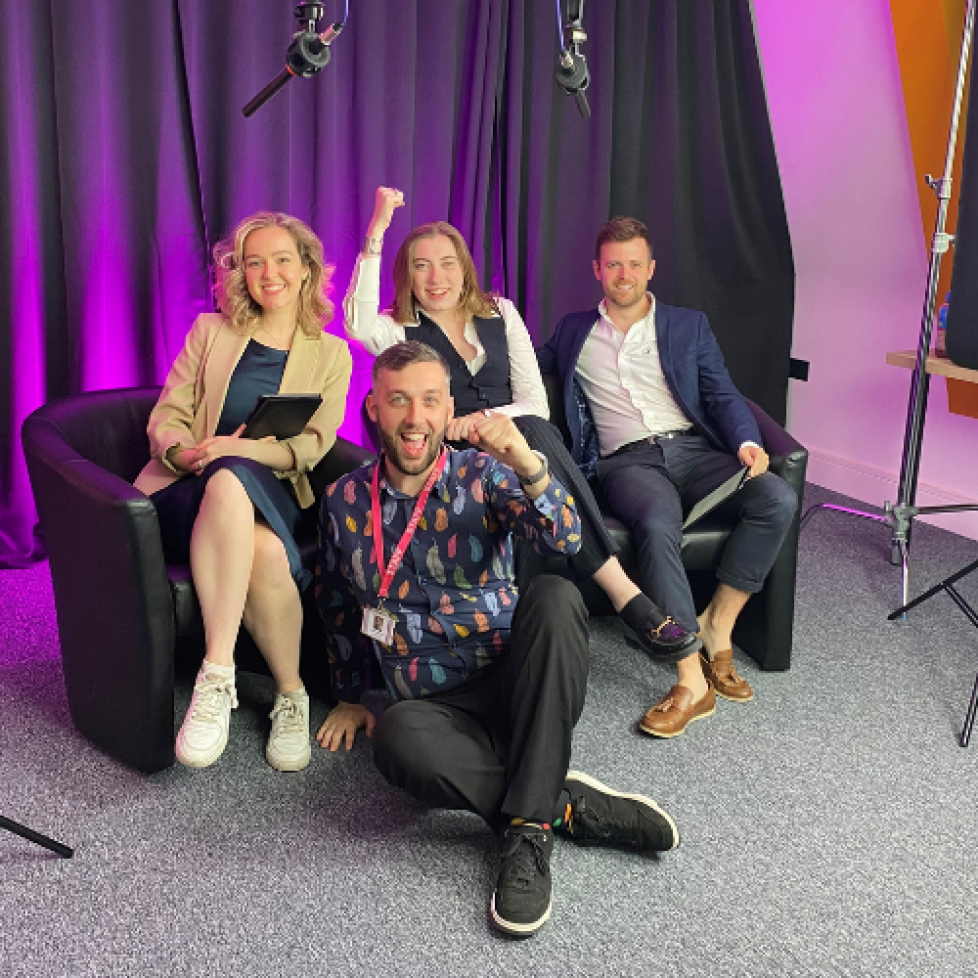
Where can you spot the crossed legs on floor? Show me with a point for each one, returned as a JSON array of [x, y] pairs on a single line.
[[499, 744]]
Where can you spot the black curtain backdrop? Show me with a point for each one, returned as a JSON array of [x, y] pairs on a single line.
[[125, 157]]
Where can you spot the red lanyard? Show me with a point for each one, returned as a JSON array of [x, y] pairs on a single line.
[[378, 528]]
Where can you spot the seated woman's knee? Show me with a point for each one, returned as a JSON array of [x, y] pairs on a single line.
[[538, 432], [530, 422], [225, 487], [271, 563]]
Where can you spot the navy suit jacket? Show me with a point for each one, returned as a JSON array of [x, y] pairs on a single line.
[[694, 370]]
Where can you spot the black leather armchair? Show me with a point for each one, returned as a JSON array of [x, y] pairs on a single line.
[[764, 629], [123, 613]]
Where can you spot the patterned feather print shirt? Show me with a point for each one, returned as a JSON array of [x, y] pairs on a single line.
[[453, 595]]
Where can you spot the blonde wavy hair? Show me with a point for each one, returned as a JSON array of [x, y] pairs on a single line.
[[473, 300], [231, 290]]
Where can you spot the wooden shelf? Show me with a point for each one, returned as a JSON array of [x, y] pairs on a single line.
[[939, 366]]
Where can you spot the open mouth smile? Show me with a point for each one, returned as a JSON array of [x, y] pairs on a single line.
[[414, 443]]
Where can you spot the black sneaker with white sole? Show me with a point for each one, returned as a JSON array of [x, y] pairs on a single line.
[[521, 904], [601, 816]]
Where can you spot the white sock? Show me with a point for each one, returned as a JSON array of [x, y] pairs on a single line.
[[216, 671]]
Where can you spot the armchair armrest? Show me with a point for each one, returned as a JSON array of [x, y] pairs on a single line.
[[113, 599], [789, 458], [766, 625], [343, 457]]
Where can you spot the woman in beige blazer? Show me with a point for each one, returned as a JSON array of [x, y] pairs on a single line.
[[229, 505]]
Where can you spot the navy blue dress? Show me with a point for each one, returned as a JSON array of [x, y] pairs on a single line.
[[259, 371]]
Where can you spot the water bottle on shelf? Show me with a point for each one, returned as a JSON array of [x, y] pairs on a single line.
[[940, 334]]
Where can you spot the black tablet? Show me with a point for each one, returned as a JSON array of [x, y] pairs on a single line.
[[722, 493], [281, 415]]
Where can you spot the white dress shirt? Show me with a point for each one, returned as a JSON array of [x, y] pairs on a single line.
[[621, 376], [376, 331]]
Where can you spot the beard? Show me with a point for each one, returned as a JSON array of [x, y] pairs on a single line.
[[394, 453], [624, 300]]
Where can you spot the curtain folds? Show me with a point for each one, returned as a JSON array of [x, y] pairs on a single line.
[[125, 157]]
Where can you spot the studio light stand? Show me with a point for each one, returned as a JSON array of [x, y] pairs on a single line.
[[901, 514], [947, 586], [42, 840]]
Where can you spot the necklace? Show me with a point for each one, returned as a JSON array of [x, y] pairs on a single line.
[[275, 341]]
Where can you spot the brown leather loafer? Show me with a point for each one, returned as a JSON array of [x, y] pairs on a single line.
[[722, 675], [671, 715]]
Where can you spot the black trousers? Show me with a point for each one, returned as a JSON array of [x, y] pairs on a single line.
[[652, 488], [499, 743], [597, 545]]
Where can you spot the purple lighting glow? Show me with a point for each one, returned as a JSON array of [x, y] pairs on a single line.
[[126, 157]]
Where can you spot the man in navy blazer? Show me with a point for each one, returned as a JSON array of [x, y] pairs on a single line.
[[654, 414]]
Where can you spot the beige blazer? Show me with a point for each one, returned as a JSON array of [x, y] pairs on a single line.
[[190, 405]]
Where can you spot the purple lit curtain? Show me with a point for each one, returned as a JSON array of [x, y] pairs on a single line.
[[125, 157]]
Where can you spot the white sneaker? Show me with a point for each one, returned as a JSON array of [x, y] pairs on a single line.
[[288, 743], [204, 733]]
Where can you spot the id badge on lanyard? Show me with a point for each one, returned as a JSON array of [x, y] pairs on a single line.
[[378, 623]]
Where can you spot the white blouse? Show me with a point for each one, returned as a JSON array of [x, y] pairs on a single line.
[[376, 331]]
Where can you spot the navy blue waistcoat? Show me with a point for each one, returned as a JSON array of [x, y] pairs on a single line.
[[488, 388]]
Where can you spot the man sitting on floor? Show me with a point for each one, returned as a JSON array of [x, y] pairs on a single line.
[[671, 428], [488, 683]]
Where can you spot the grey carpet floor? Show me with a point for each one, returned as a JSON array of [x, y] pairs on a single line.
[[829, 828]]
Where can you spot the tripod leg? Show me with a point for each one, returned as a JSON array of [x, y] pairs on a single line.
[[969, 720], [895, 554], [947, 585], [905, 571], [816, 507], [42, 840], [900, 548]]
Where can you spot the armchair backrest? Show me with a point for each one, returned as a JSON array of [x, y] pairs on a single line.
[[106, 428], [555, 401]]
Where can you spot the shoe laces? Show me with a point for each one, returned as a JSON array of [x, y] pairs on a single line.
[[589, 824], [525, 858], [288, 715], [210, 697]]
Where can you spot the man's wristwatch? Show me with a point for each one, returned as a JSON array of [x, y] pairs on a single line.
[[532, 480]]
